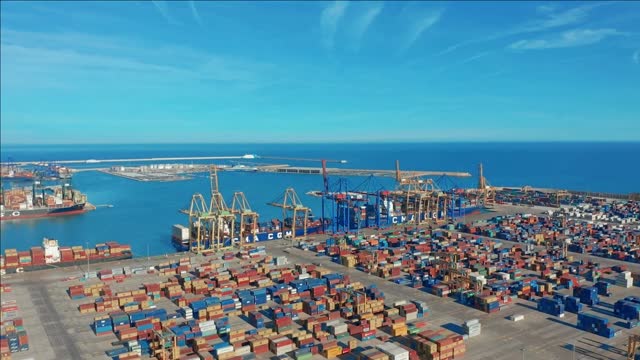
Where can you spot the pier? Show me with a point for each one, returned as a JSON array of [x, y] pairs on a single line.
[[178, 172], [96, 161], [357, 172]]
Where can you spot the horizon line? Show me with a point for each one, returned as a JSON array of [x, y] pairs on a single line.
[[347, 142]]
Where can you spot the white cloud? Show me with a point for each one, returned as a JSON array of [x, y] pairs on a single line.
[[572, 38], [329, 21], [195, 13], [39, 60], [365, 20], [550, 20], [163, 9], [474, 57], [418, 27], [546, 8], [636, 57]]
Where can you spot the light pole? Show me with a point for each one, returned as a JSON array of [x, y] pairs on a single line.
[[87, 255]]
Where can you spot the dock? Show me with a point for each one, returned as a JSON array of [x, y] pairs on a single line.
[[177, 172], [358, 172]]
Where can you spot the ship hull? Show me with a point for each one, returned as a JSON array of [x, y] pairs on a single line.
[[17, 178], [259, 237], [464, 211], [43, 212], [123, 256]]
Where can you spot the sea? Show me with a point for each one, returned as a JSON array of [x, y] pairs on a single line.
[[142, 213]]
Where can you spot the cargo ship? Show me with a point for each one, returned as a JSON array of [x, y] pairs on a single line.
[[358, 210], [12, 173], [51, 255], [38, 202], [273, 230]]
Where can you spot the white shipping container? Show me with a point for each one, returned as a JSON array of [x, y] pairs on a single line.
[[243, 350], [224, 350]]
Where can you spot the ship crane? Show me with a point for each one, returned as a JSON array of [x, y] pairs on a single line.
[[420, 196], [224, 217], [240, 207], [486, 192], [290, 204], [200, 224], [210, 224], [559, 195]]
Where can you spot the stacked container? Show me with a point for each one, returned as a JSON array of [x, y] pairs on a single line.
[[393, 351], [550, 306], [472, 327], [102, 325], [587, 295], [624, 279], [595, 324]]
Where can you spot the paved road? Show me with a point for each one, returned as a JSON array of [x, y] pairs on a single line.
[[60, 340]]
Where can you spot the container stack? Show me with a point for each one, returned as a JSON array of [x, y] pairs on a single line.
[[624, 279], [280, 345], [628, 308], [393, 351], [603, 288], [423, 308], [551, 306], [373, 354], [595, 325], [437, 345], [256, 319], [572, 304], [472, 327], [587, 295], [102, 325], [337, 329]]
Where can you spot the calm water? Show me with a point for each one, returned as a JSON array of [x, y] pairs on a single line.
[[143, 213]]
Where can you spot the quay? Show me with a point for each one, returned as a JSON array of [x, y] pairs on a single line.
[[357, 172]]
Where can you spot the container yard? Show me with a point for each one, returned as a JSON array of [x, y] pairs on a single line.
[[278, 300], [355, 284], [610, 230]]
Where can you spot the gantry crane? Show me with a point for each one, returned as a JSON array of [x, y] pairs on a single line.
[[200, 224], [454, 277], [421, 197], [562, 244], [559, 195], [159, 344], [211, 228], [248, 218], [486, 192], [224, 228], [290, 204], [359, 309], [633, 346]]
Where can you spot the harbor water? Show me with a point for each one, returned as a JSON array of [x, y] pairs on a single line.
[[143, 212]]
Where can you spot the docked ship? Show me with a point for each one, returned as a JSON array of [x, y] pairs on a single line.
[[12, 173], [274, 230], [51, 255], [38, 202], [358, 210]]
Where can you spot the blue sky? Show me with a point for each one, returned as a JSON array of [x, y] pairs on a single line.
[[131, 72]]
